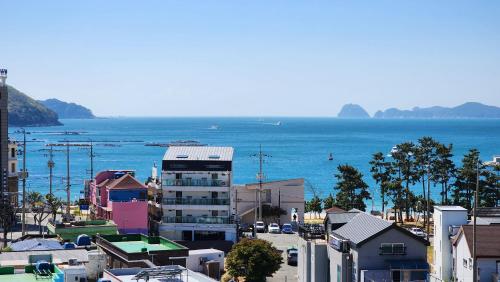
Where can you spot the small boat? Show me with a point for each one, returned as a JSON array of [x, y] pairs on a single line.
[[214, 127], [278, 123], [330, 157]]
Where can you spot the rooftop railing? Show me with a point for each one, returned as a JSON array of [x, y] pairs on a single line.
[[190, 201], [195, 182], [198, 219]]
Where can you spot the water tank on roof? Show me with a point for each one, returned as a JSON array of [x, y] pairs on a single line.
[[83, 240], [119, 174], [69, 245]]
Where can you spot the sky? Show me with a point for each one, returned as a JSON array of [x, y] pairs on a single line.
[[252, 58]]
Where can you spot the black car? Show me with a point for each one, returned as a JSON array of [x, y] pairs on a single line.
[[291, 256], [245, 227]]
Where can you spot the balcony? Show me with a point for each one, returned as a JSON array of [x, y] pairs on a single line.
[[190, 201], [198, 219], [195, 182]]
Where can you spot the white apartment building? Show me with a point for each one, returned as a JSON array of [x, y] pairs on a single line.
[[196, 204], [447, 222]]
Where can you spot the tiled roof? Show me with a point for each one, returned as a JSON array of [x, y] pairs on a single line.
[[127, 181], [334, 209], [487, 239], [199, 153]]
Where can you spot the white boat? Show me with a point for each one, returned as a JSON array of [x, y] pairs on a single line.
[[214, 127], [278, 123]]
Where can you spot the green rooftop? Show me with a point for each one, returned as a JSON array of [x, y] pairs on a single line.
[[138, 243], [90, 227], [24, 277]]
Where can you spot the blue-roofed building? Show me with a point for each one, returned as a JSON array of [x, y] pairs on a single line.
[[36, 244]]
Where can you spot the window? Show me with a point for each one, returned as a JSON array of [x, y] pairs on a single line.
[[392, 249], [465, 263], [13, 167], [470, 263], [12, 152], [339, 273]]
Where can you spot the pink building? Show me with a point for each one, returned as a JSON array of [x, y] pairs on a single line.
[[116, 195]]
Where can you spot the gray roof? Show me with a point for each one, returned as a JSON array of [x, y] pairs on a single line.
[[36, 244], [362, 226], [341, 217], [199, 153], [58, 256]]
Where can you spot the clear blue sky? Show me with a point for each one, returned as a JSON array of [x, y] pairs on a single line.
[[258, 58]]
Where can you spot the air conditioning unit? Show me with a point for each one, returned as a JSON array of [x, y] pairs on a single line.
[[72, 261]]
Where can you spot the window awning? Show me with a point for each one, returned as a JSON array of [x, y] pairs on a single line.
[[408, 265]]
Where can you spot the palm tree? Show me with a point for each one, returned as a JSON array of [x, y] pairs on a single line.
[[54, 204], [381, 173], [37, 207]]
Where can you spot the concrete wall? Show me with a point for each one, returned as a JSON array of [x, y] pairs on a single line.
[[312, 261], [339, 265], [287, 194], [442, 245], [131, 216]]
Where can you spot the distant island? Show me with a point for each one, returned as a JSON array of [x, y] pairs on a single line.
[[467, 110], [25, 111], [353, 111], [68, 110]]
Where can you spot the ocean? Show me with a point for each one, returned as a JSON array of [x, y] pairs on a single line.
[[297, 147]]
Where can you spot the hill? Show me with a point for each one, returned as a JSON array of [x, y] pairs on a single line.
[[467, 110], [352, 111], [25, 111], [68, 110]]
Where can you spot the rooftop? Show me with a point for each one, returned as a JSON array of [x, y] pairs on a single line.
[[36, 244], [199, 153], [138, 243], [450, 208], [173, 273], [487, 239], [20, 259], [20, 277], [361, 227]]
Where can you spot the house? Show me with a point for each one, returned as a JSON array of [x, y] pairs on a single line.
[[155, 274], [138, 250], [118, 196], [285, 194], [362, 247], [196, 204], [448, 224], [487, 253]]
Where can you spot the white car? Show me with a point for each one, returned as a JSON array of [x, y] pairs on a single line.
[[274, 228], [260, 226], [417, 231]]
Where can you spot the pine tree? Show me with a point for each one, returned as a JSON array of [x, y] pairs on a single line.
[[466, 178], [328, 202], [404, 160], [444, 170], [381, 173], [351, 189]]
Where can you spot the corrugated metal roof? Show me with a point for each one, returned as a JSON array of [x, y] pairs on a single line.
[[199, 153], [340, 217], [361, 227]]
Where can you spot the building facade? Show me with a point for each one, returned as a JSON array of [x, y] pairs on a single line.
[[196, 182], [4, 132], [116, 195], [13, 174], [285, 194], [447, 220]]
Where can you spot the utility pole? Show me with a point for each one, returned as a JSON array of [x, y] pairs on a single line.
[[51, 165], [23, 177], [92, 155], [474, 234], [260, 178], [68, 183], [428, 221]]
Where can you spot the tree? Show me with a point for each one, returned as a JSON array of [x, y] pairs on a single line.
[[314, 205], [466, 179], [424, 158], [395, 192], [490, 192], [254, 259], [328, 202], [404, 159], [443, 170], [352, 190], [37, 207], [7, 217], [381, 173], [53, 204]]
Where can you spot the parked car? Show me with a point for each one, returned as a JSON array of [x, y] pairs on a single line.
[[274, 228], [291, 256], [287, 228], [417, 231], [244, 227], [260, 226]]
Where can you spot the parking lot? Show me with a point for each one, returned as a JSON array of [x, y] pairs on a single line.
[[282, 242]]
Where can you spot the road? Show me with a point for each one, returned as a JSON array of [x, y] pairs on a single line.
[[282, 242]]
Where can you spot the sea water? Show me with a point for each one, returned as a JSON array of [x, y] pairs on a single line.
[[296, 147]]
